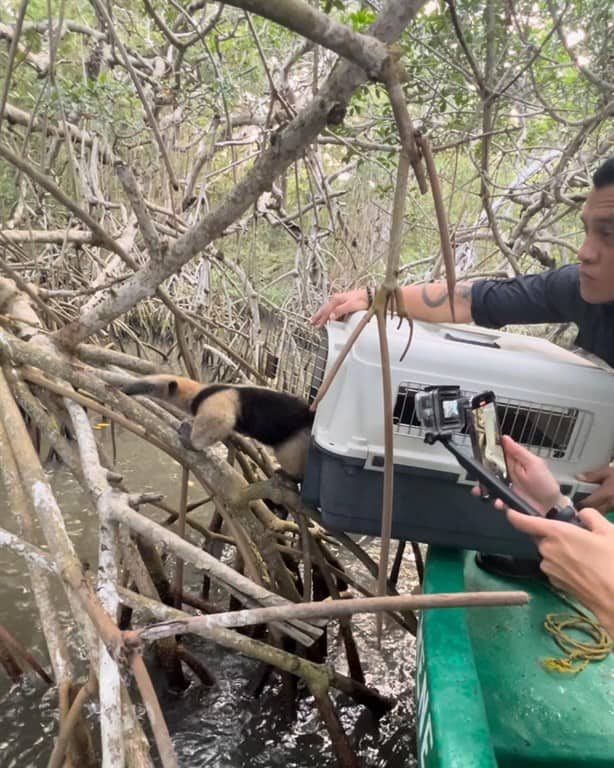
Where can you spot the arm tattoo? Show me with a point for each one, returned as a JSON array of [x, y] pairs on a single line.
[[463, 291], [439, 295]]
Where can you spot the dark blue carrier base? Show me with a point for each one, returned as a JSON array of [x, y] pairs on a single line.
[[429, 506]]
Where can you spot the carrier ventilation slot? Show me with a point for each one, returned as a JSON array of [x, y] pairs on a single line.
[[549, 431]]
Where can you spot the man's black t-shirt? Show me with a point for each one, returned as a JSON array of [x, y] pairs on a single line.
[[550, 297]]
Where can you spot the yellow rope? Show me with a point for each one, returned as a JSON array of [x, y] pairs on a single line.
[[578, 653]]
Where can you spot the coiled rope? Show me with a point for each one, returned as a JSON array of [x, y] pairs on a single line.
[[578, 654]]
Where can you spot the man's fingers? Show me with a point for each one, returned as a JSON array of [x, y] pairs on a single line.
[[319, 317], [337, 306], [324, 314], [595, 475], [346, 308]]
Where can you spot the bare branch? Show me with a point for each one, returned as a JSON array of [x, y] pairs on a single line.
[[289, 145], [153, 123], [364, 51], [331, 609], [46, 183]]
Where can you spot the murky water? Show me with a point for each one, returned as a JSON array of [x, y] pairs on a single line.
[[220, 726]]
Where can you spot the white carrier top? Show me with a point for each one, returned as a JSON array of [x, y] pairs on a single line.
[[558, 404]]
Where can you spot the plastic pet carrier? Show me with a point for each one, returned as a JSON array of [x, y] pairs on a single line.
[[554, 402]]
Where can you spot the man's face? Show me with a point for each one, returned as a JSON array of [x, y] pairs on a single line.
[[597, 251]]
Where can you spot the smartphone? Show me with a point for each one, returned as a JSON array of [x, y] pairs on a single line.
[[486, 436]]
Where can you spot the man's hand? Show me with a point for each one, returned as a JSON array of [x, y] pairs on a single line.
[[603, 498], [341, 304], [578, 560], [428, 302]]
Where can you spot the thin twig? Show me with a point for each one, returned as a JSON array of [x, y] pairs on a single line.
[[8, 67], [156, 718], [25, 654], [183, 502], [153, 123], [88, 690]]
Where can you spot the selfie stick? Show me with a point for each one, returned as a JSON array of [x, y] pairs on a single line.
[[497, 487]]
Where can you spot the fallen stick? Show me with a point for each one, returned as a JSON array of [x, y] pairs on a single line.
[[330, 609]]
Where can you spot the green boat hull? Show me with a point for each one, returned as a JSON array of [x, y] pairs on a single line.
[[483, 696]]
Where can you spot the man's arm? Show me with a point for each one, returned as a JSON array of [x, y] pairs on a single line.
[[548, 297], [428, 301]]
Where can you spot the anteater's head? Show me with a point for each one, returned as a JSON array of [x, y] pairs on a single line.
[[176, 390]]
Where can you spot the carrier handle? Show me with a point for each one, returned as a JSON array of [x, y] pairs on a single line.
[[476, 342]]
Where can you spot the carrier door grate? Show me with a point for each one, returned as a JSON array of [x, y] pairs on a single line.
[[293, 357], [549, 431], [315, 372]]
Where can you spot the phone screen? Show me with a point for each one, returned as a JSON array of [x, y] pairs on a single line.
[[486, 435]]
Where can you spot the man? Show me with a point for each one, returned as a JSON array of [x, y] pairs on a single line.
[[581, 293]]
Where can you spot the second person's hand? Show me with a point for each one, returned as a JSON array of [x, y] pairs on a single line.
[[530, 476]]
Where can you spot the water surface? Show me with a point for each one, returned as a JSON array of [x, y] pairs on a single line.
[[220, 726]]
